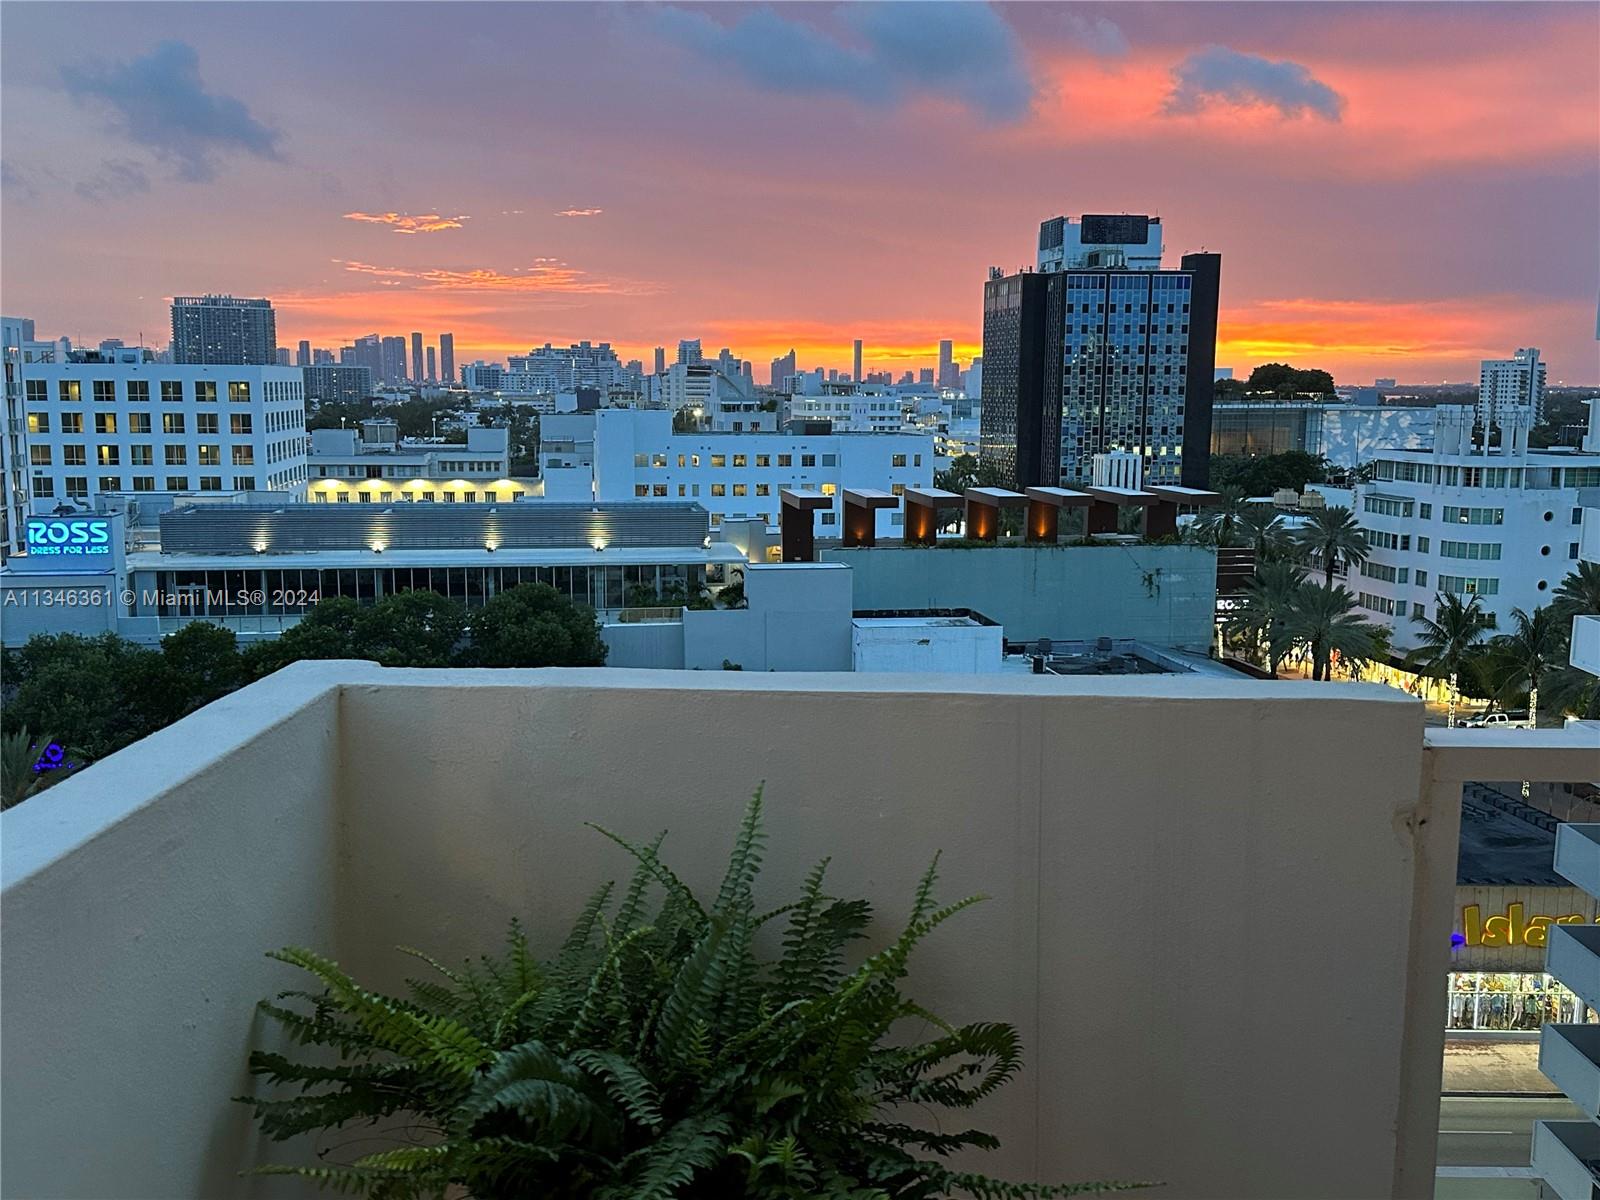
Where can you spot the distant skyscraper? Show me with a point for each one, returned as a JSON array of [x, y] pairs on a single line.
[[1095, 359], [323, 358], [433, 367], [416, 358], [782, 368], [661, 360], [283, 356], [947, 366], [925, 375], [345, 384], [392, 360], [224, 330], [747, 369], [447, 357], [302, 357], [855, 370], [689, 351], [1503, 382]]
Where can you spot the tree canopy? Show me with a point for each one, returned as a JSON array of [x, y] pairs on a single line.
[[1262, 475]]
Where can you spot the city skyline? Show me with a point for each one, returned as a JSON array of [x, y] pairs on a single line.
[[1379, 215]]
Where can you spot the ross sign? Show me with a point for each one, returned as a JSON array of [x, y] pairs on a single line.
[[79, 538], [1511, 928]]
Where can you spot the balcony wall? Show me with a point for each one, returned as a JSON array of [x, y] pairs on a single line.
[[1219, 913]]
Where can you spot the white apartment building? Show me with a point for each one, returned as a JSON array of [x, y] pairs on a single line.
[[1503, 524], [374, 465], [1505, 383], [632, 454], [700, 385], [1586, 627], [851, 408], [97, 427]]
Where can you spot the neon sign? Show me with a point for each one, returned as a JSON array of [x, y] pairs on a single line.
[[1511, 928], [69, 537]]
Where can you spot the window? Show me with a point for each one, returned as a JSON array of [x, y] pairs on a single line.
[[38, 422], [682, 460], [244, 483], [238, 393], [77, 487], [830, 518], [829, 489], [741, 489], [171, 422], [172, 391], [1422, 545], [144, 483], [141, 456], [39, 456], [763, 489], [138, 391], [108, 456], [205, 391], [719, 489], [830, 460], [211, 483], [177, 456], [1471, 550], [1572, 550], [205, 423], [763, 460], [105, 391], [74, 456], [1422, 579], [37, 392], [1473, 516], [641, 460], [1425, 512], [658, 489], [110, 483], [1577, 516], [641, 489], [244, 456], [44, 487], [69, 391], [785, 460], [1467, 585], [916, 460], [739, 460], [683, 490], [658, 460], [899, 460], [808, 460], [138, 422], [71, 422], [719, 460], [105, 422], [177, 483], [1418, 611]]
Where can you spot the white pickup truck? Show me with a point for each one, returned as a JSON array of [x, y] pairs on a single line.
[[1500, 720]]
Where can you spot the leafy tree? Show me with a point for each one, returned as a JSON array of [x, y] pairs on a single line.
[[202, 663], [410, 629], [1264, 474], [653, 1056], [533, 625], [1520, 659], [1288, 381], [328, 630], [959, 476], [1332, 534], [1450, 643], [1326, 622], [92, 692], [1268, 603]]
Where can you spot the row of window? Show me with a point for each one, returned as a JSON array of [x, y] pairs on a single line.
[[142, 455], [1489, 551], [1467, 585], [172, 422], [76, 487], [660, 461], [1380, 604], [137, 391], [463, 496]]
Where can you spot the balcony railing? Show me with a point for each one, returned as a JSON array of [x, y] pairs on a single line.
[[1211, 899]]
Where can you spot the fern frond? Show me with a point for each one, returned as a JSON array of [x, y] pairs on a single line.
[[744, 864]]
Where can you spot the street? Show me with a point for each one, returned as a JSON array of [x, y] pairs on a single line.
[[1494, 1131]]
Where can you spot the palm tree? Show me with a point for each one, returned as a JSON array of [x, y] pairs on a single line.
[[19, 755], [1450, 642], [1269, 600], [1535, 646], [1261, 527], [1579, 592], [1325, 622], [1219, 524], [1332, 534]]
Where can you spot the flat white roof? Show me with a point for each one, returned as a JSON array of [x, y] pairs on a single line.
[[917, 622], [346, 559]]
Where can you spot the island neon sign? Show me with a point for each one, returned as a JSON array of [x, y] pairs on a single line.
[[84, 537], [1510, 928]]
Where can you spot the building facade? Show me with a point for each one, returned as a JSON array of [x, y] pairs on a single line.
[[120, 427], [1503, 524], [447, 357], [1515, 382], [1120, 240], [373, 465], [1347, 435], [224, 330], [336, 384]]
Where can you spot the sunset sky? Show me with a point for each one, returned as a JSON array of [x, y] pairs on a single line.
[[1394, 189]]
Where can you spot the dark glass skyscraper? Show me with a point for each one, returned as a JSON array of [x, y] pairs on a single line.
[[1085, 360], [225, 330]]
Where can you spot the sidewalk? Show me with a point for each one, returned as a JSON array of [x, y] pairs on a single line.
[[1490, 1066]]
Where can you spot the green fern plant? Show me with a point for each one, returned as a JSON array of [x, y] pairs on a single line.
[[650, 1059]]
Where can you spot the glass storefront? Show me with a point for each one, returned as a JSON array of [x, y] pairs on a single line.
[[1512, 1000]]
